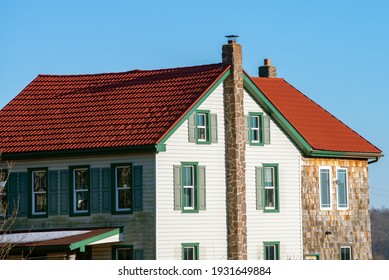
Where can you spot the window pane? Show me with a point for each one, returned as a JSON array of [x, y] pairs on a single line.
[[269, 177], [342, 188], [270, 198], [271, 253], [189, 197], [188, 176], [123, 177], [81, 201], [81, 179], [254, 122], [325, 187], [40, 203], [189, 253], [39, 181], [124, 200], [345, 253], [124, 254], [201, 120]]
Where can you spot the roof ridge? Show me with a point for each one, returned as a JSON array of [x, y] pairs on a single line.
[[133, 71]]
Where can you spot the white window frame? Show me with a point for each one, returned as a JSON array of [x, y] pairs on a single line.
[[191, 187], [75, 191], [202, 127], [255, 130], [34, 192], [350, 250], [347, 189], [117, 189], [329, 186], [273, 187]]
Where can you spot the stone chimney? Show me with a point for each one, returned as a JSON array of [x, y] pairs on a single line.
[[235, 152], [267, 70]]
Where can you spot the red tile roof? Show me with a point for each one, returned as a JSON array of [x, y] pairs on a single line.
[[71, 112], [318, 127]]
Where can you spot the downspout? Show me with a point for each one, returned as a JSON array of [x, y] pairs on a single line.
[[374, 160]]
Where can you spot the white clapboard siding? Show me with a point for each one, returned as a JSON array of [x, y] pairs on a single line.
[[139, 227], [208, 228], [284, 226]]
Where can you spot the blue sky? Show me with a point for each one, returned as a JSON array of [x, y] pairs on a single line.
[[336, 52]]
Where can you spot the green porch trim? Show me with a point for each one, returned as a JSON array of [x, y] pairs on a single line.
[[81, 244], [195, 107], [273, 112]]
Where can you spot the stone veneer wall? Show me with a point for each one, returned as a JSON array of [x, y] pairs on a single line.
[[235, 153], [344, 227]]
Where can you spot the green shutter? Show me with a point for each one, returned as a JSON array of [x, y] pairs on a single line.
[[177, 187], [95, 190], [259, 187], [106, 181], [192, 128], [266, 122], [247, 129], [53, 193], [138, 188], [138, 254], [64, 192], [23, 194], [202, 188], [214, 138], [12, 193]]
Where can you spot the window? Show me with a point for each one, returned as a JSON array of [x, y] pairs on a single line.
[[341, 175], [124, 252], [38, 187], [345, 253], [3, 193], [123, 187], [270, 185], [190, 251], [189, 186], [202, 127], [256, 129], [80, 190], [189, 180], [272, 251], [325, 187]]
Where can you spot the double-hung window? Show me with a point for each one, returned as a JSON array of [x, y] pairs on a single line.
[[190, 251], [38, 187], [189, 180], [345, 253], [80, 199], [267, 187], [325, 187], [342, 191], [189, 186], [202, 127], [256, 128], [123, 187], [272, 250], [270, 185]]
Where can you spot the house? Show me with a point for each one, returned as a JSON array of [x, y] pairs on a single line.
[[200, 162]]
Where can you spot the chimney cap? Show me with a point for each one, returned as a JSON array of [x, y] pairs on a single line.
[[231, 38]]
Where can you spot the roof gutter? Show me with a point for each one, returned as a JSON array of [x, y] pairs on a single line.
[[355, 155]]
